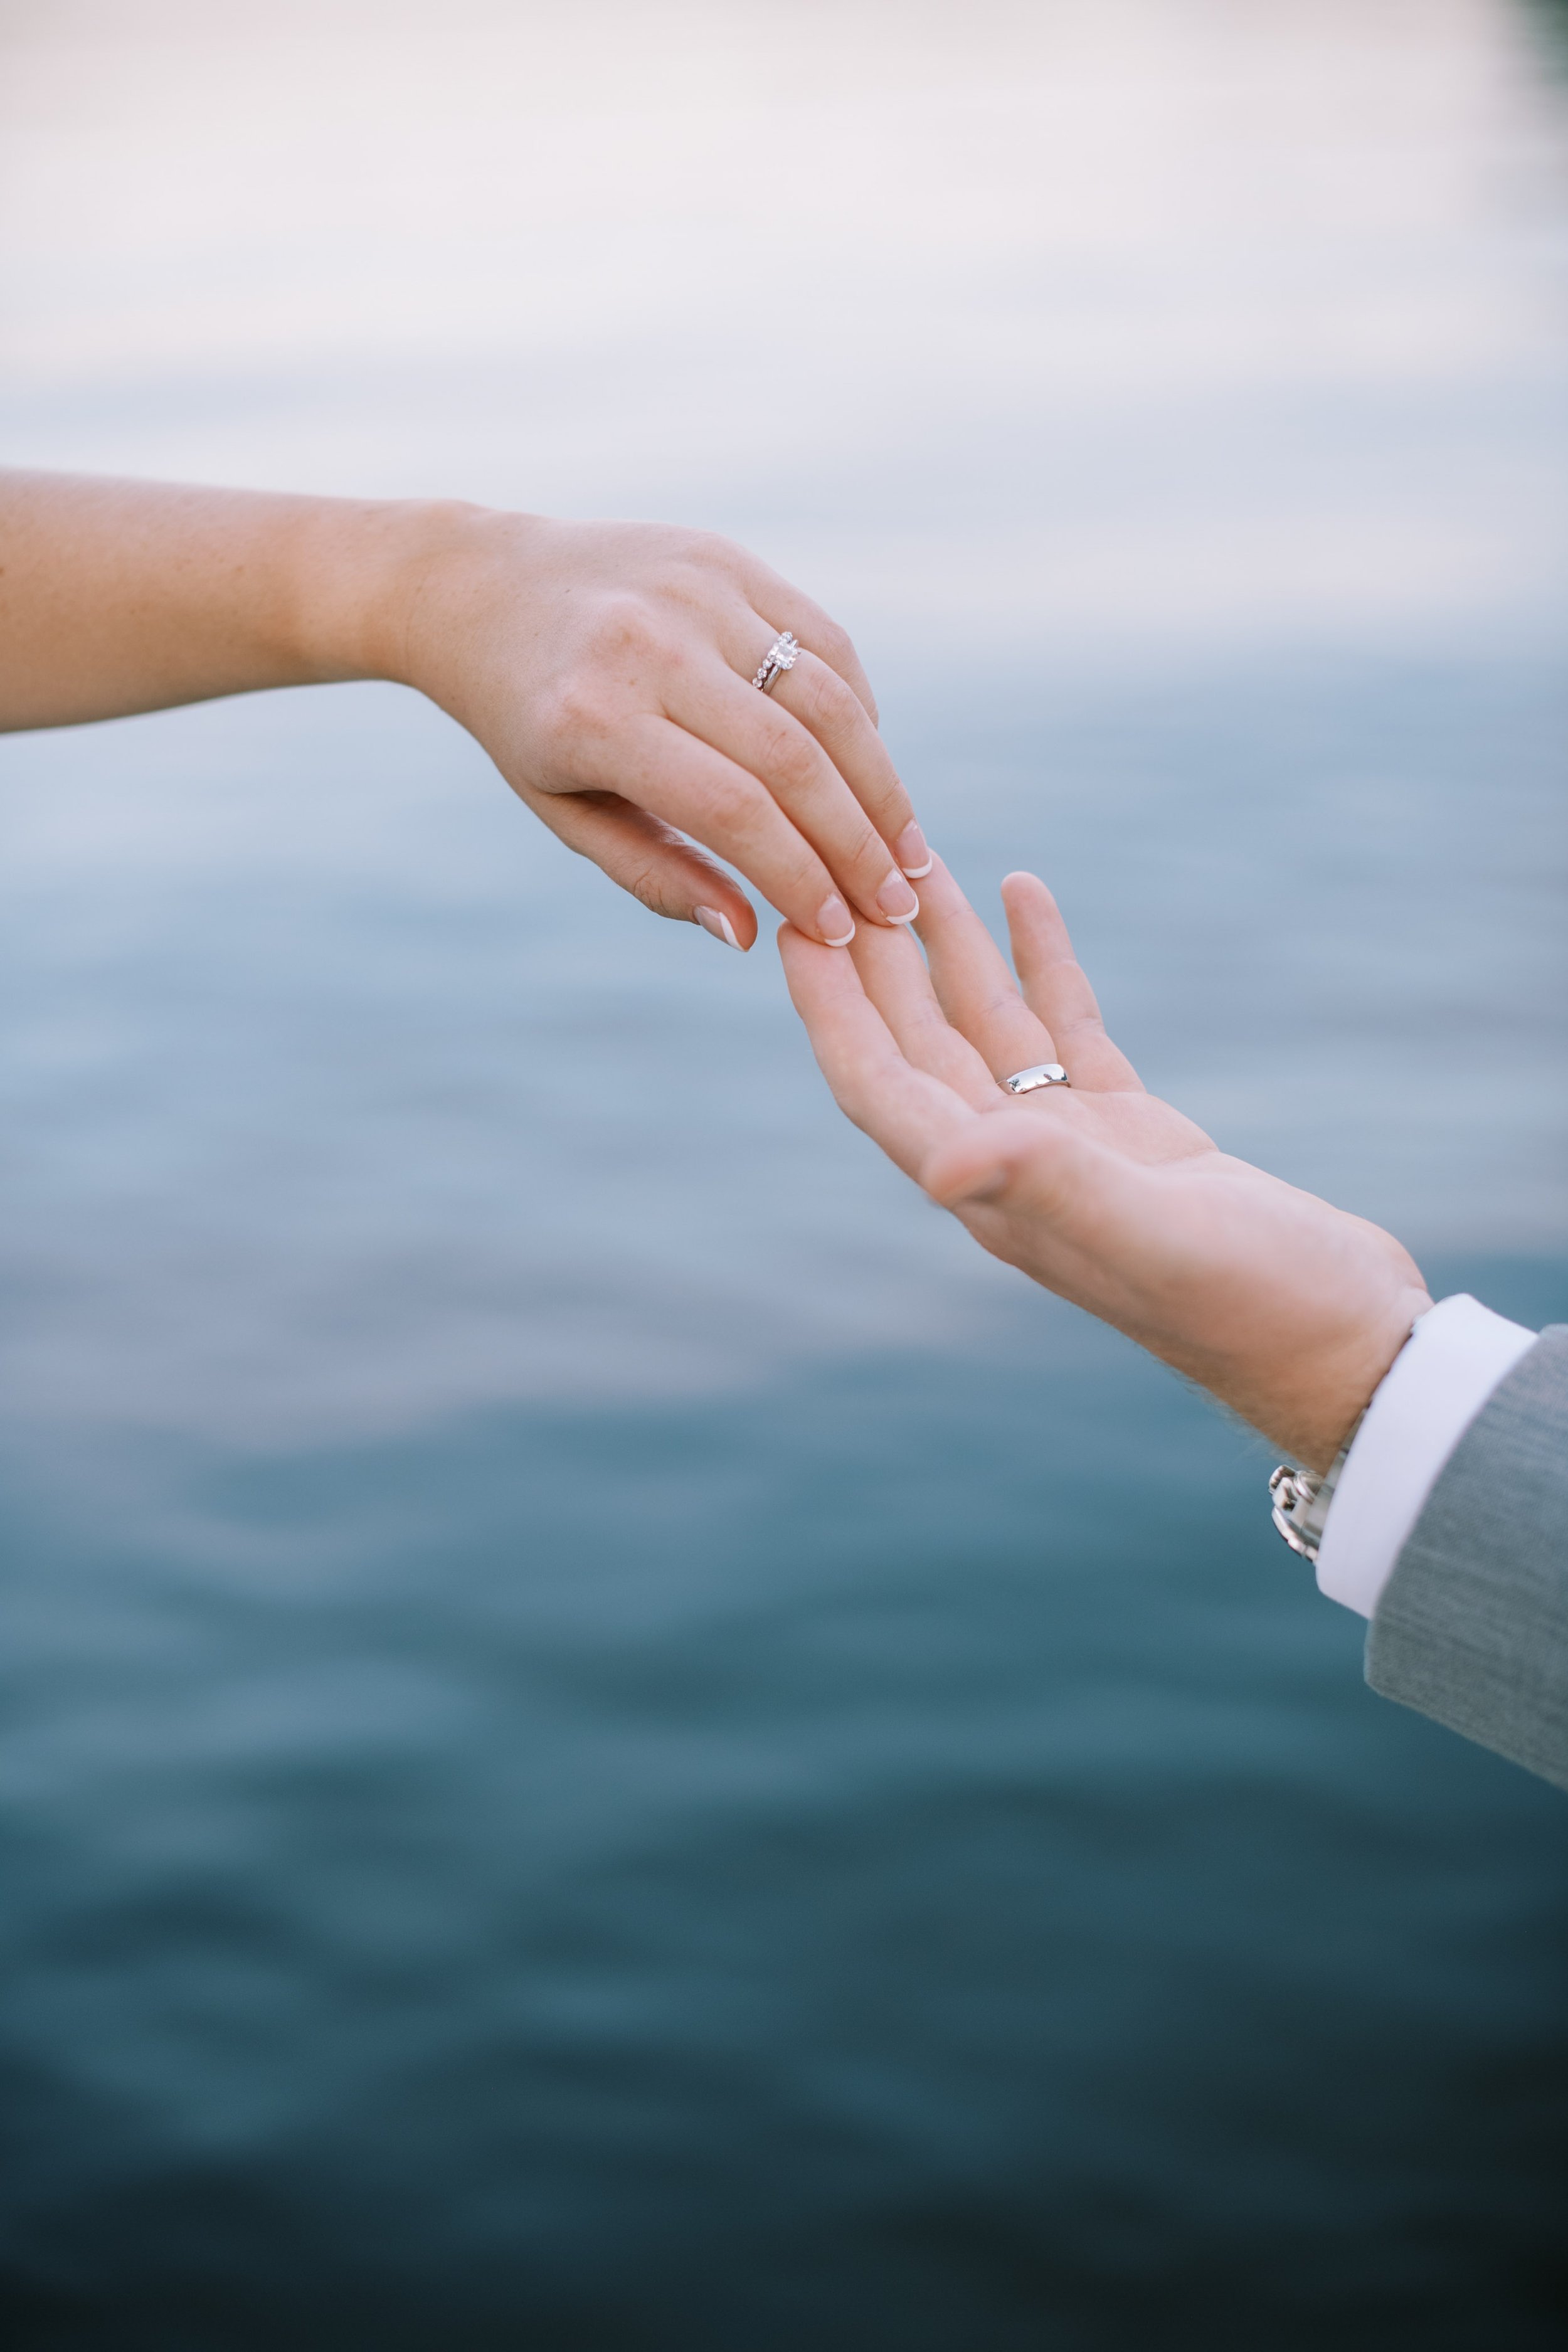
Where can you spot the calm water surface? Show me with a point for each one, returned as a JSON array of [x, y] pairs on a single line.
[[611, 1740]]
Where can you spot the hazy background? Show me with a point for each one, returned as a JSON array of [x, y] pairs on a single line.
[[612, 1740]]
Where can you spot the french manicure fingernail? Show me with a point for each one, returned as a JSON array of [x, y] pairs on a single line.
[[911, 852], [835, 922], [718, 927], [896, 900]]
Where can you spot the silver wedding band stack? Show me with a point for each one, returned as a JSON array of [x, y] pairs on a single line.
[[781, 655]]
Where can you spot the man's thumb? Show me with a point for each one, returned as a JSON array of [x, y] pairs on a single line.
[[992, 1156]]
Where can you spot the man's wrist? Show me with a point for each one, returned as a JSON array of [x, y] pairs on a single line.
[[1313, 1423]]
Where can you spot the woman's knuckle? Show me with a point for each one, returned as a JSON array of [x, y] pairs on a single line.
[[808, 880], [687, 576], [650, 885], [826, 702], [721, 553], [621, 624], [835, 644], [792, 759], [866, 847], [576, 709]]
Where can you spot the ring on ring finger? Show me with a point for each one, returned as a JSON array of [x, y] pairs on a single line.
[[781, 655], [1037, 1075]]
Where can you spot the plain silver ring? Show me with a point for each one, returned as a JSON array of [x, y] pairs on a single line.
[[781, 655], [1038, 1074]]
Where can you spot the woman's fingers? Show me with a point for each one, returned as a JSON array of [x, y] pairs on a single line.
[[893, 973], [905, 1110], [1057, 989], [975, 988], [846, 827], [684, 782], [667, 873], [834, 712], [813, 693], [783, 606]]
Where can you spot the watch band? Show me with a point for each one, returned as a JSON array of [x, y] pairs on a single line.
[[1302, 1498]]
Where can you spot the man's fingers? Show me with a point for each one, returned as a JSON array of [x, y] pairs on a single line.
[[670, 875], [977, 992], [905, 1110], [893, 973], [1057, 989]]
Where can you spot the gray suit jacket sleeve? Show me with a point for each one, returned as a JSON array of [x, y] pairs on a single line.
[[1472, 1627]]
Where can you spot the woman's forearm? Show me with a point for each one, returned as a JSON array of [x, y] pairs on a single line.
[[123, 596]]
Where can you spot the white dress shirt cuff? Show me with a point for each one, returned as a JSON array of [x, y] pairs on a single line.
[[1436, 1385]]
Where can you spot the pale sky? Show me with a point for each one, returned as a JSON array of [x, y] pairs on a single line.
[[1159, 321]]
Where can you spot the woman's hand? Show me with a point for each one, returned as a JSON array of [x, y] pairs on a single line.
[[1287, 1309], [607, 667]]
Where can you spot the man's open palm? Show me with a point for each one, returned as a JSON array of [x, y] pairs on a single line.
[[1288, 1309]]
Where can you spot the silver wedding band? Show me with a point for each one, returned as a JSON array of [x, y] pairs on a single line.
[[1038, 1074], [781, 655]]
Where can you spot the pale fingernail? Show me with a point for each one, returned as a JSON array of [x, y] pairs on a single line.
[[835, 922], [896, 900], [911, 852], [718, 927]]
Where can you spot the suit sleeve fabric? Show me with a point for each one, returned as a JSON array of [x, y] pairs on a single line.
[[1471, 1627], [1453, 1359]]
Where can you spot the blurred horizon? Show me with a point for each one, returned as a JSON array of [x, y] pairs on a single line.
[[1181, 328]]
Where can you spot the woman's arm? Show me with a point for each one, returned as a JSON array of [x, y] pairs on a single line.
[[606, 668]]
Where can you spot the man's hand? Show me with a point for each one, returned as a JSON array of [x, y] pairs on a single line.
[[1287, 1309]]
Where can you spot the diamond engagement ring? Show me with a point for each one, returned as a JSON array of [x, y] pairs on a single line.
[[1038, 1074], [781, 655]]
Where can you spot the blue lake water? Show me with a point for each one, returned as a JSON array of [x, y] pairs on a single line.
[[749, 1831], [611, 1740]]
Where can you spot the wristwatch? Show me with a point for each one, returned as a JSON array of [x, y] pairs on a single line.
[[1302, 1498]]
